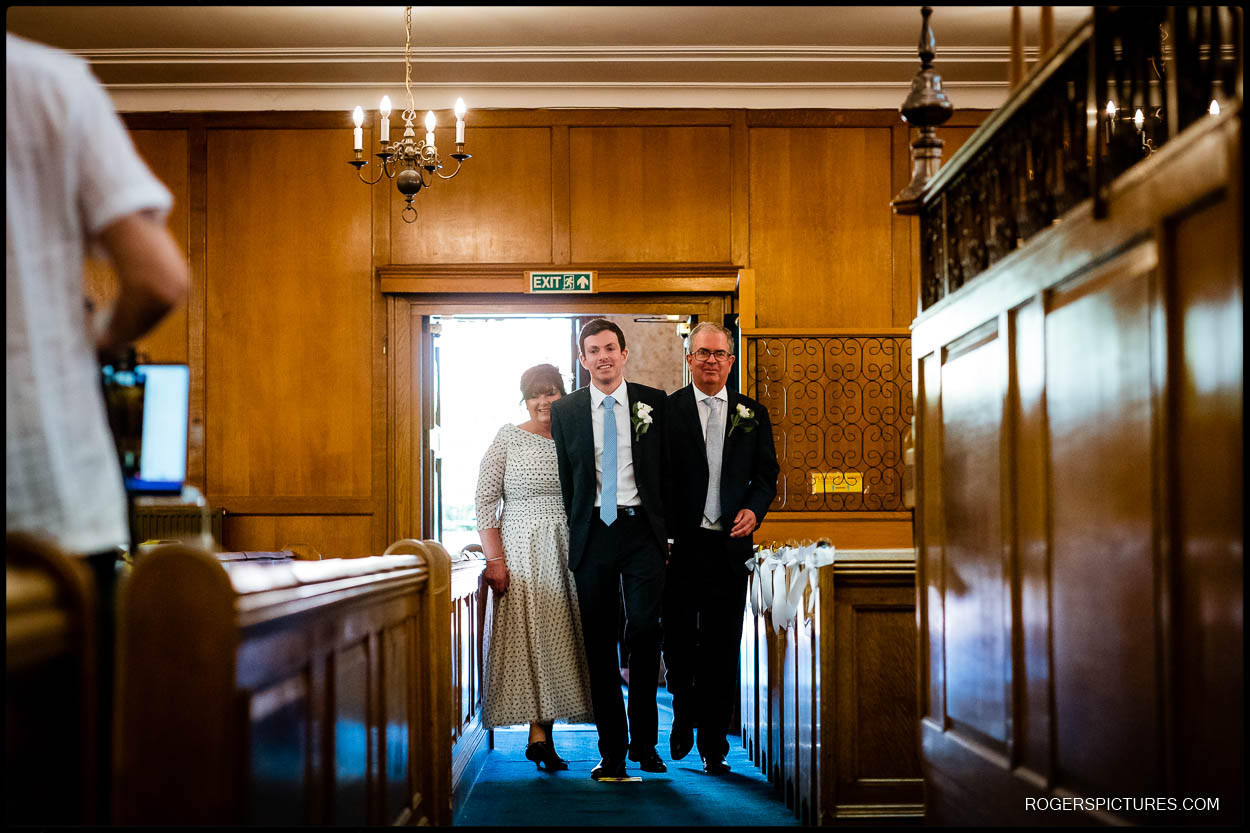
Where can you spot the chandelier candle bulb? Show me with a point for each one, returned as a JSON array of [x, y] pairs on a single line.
[[358, 135], [429, 127], [385, 110], [460, 110]]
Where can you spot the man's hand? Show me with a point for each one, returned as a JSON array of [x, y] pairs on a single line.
[[744, 524], [496, 575]]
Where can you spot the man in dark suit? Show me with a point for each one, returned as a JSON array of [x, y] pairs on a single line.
[[609, 444], [722, 479]]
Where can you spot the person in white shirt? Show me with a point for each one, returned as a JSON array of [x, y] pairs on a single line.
[[609, 449], [72, 180]]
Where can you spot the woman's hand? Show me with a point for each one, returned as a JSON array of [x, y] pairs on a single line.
[[496, 575]]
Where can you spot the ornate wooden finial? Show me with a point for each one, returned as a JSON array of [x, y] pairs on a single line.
[[926, 106]]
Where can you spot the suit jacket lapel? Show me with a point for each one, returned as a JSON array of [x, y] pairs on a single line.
[[585, 437], [629, 426]]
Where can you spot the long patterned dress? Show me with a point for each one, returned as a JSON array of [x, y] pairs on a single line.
[[535, 659]]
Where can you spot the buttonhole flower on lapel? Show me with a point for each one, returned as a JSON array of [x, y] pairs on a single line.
[[745, 417], [641, 419]]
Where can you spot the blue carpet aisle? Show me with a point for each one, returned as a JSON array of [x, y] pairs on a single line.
[[511, 791]]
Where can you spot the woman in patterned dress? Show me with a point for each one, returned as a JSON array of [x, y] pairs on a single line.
[[535, 660]]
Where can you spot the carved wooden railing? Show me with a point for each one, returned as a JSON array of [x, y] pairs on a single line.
[[1057, 142]]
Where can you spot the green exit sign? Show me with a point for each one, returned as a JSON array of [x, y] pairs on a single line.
[[561, 282]]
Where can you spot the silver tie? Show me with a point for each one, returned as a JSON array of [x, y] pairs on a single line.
[[714, 438]]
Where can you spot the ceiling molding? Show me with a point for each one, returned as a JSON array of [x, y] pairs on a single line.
[[563, 54], [243, 96]]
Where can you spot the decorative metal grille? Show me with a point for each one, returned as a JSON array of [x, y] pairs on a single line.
[[839, 406]]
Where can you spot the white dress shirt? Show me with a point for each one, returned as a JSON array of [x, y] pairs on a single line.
[[626, 486], [699, 396]]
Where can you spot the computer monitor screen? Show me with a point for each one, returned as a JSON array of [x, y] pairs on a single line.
[[163, 455]]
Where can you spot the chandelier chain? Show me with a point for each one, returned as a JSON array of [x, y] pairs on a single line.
[[411, 112]]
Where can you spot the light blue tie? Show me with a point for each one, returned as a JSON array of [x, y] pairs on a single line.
[[607, 507]]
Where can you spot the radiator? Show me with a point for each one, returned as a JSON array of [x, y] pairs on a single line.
[[178, 523]]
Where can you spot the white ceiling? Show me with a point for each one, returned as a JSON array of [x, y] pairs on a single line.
[[332, 57]]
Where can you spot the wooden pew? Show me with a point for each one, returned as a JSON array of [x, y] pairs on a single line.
[[468, 600], [50, 697], [835, 694], [283, 693]]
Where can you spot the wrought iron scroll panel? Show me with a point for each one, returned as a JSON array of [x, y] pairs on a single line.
[[837, 404]]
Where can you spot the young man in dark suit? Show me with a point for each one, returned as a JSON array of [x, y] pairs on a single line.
[[609, 444], [722, 479]]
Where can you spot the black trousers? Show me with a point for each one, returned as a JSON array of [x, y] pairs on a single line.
[[704, 600], [622, 557]]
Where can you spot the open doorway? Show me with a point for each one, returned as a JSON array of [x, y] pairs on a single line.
[[478, 364]]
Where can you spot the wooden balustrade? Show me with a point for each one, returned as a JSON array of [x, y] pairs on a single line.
[[828, 702], [1121, 86], [284, 693], [50, 706]]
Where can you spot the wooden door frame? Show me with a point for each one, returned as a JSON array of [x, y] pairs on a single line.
[[413, 293]]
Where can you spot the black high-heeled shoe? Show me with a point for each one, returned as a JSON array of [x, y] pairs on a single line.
[[542, 752]]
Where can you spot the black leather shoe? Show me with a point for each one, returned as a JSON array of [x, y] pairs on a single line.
[[715, 766], [648, 761], [543, 753], [608, 768], [680, 740]]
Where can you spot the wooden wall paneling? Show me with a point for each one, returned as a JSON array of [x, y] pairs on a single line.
[[403, 421], [197, 309], [167, 155], [976, 604], [653, 194], [561, 162], [740, 195], [1206, 410], [380, 234], [334, 536], [288, 319], [1031, 576], [904, 235], [497, 209], [1100, 406], [821, 226]]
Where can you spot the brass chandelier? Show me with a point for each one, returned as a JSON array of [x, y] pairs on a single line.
[[413, 164]]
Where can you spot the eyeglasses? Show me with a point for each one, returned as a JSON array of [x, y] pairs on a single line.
[[703, 355]]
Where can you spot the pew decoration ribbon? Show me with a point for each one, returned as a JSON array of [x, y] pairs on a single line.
[[779, 577]]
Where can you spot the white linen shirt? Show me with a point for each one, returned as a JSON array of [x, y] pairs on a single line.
[[71, 170], [626, 485]]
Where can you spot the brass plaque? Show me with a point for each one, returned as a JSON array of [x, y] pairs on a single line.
[[824, 482]]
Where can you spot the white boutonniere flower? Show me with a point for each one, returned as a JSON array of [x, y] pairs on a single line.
[[745, 417], [641, 419]]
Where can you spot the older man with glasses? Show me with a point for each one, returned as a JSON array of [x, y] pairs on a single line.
[[722, 479]]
